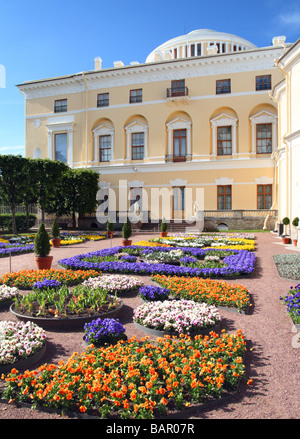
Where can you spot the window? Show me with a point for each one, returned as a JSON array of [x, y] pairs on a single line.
[[61, 147], [104, 204], [264, 196], [264, 138], [179, 145], [178, 88], [136, 96], [193, 50], [136, 196], [104, 148], [223, 86], [103, 100], [263, 82], [224, 140], [137, 144], [60, 106], [178, 200], [199, 49], [224, 197]]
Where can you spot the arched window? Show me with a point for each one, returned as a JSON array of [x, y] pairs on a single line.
[[224, 135], [103, 143], [179, 140], [263, 133], [136, 141]]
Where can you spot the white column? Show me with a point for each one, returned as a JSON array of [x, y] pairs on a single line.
[[274, 136], [145, 144], [112, 145], [70, 138], [128, 146], [234, 138], [50, 152], [253, 138], [169, 141], [189, 146], [213, 127], [96, 140]]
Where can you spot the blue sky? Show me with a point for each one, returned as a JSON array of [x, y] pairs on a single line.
[[40, 40]]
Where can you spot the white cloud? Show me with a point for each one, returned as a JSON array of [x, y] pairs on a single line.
[[20, 149], [291, 19]]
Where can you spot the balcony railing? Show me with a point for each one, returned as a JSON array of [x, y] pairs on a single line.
[[175, 92]]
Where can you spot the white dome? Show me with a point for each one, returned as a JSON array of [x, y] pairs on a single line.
[[199, 42]]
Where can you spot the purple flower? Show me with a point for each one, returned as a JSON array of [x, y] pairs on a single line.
[[152, 292], [240, 263], [46, 283], [104, 331]]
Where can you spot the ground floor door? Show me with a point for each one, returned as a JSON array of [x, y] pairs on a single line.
[[178, 203]]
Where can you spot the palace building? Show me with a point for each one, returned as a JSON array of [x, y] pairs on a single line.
[[199, 119]]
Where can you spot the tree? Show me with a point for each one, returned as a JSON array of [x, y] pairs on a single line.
[[12, 170], [49, 175], [78, 192], [30, 179]]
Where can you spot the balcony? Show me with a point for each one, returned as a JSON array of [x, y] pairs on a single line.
[[177, 94]]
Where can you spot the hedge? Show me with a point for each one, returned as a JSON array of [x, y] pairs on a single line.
[[6, 221]]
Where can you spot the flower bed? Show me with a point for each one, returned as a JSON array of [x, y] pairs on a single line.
[[292, 302], [288, 266], [206, 290], [7, 294], [153, 293], [104, 331], [178, 316], [14, 249], [25, 279], [239, 264], [207, 241], [19, 341], [64, 302], [115, 284], [135, 379]]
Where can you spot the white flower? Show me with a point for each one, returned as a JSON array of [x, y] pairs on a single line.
[[178, 315]]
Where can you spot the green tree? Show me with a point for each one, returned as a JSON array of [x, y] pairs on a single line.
[[30, 179], [78, 193], [49, 175], [12, 170]]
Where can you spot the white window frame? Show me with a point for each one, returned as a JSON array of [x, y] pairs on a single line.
[[179, 124], [57, 125], [263, 117], [219, 121], [103, 130], [136, 127]]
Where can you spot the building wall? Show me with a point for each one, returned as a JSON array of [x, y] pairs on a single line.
[[243, 170]]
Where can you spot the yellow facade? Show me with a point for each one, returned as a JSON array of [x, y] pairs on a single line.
[[218, 144], [287, 156]]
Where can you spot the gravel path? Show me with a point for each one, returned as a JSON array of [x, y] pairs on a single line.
[[271, 360]]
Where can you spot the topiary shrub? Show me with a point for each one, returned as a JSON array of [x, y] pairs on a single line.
[[55, 232], [126, 229], [295, 222], [163, 226], [41, 242], [109, 226]]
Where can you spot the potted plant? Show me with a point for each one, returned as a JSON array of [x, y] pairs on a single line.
[[110, 229], [295, 224], [55, 232], [163, 228], [126, 233], [285, 237], [42, 249]]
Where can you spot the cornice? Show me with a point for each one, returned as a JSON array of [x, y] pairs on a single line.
[[195, 165], [244, 61]]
